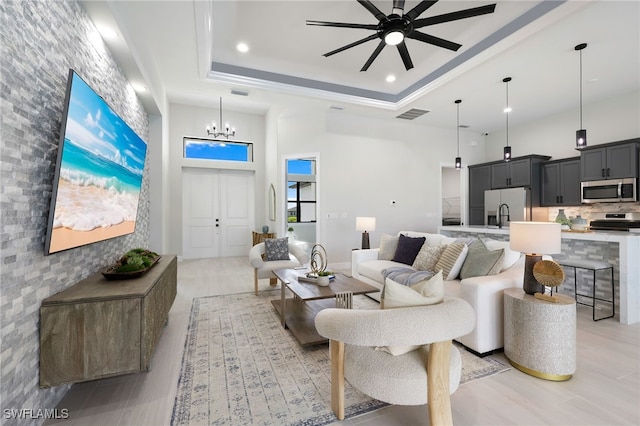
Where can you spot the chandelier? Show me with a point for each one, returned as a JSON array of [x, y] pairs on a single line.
[[214, 131]]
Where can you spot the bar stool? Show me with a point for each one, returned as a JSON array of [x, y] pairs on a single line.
[[594, 266]]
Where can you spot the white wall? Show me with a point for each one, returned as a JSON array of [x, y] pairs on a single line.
[[606, 121], [191, 121], [365, 163]]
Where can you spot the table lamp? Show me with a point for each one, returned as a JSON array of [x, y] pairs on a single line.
[[534, 239], [365, 224]]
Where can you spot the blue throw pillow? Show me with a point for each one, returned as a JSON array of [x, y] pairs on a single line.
[[408, 249], [277, 248]]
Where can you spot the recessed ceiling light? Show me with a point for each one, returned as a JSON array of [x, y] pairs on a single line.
[[242, 47], [391, 78], [107, 32], [507, 109], [138, 87]]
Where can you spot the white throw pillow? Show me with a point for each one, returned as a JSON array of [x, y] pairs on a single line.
[[394, 295], [388, 246]]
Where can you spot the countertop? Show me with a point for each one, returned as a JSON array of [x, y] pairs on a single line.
[[614, 236]]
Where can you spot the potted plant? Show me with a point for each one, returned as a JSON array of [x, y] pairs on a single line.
[[132, 264], [324, 278]]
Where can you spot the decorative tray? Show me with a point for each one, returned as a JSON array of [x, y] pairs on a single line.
[[581, 231], [312, 278], [111, 275]]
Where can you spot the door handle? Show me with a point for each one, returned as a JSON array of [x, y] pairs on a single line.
[[603, 174], [608, 172]]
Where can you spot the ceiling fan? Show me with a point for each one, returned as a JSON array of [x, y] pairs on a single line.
[[394, 28]]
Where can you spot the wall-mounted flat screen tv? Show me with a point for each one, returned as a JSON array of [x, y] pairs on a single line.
[[98, 176]]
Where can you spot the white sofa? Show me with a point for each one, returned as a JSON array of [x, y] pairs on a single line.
[[483, 293]]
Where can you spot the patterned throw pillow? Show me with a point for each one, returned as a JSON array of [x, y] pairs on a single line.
[[481, 261], [451, 260], [408, 249], [427, 257], [277, 248]]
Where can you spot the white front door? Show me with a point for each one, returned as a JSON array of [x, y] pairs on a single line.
[[236, 212], [217, 212]]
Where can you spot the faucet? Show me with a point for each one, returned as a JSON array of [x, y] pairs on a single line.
[[500, 215]]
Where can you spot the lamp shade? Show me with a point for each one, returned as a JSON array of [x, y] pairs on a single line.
[[535, 237], [365, 224]]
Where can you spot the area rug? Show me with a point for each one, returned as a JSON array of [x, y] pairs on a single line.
[[241, 367]]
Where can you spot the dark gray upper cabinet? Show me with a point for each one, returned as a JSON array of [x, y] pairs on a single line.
[[613, 161], [561, 183], [514, 173]]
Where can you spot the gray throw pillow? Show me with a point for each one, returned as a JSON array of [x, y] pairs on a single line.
[[481, 261], [277, 248]]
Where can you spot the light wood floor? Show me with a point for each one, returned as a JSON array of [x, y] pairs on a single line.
[[604, 391]]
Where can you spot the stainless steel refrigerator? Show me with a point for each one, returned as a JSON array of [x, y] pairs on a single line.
[[519, 205]]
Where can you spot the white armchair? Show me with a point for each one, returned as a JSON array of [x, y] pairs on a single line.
[[427, 375], [264, 269]]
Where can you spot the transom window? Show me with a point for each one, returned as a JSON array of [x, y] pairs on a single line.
[[210, 149]]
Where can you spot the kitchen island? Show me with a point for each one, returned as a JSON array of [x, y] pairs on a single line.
[[620, 249]]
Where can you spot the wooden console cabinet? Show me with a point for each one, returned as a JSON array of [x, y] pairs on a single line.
[[98, 328]]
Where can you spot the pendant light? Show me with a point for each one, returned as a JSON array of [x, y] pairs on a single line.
[[581, 135], [458, 161], [507, 110]]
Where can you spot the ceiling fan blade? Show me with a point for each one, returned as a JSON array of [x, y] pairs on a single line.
[[420, 8], [404, 54], [374, 55], [342, 25], [454, 16], [436, 41], [398, 4], [372, 9], [349, 46]]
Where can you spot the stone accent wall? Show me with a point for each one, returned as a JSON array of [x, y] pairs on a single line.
[[40, 41], [580, 250]]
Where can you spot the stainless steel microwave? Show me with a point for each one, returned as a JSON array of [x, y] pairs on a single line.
[[609, 191]]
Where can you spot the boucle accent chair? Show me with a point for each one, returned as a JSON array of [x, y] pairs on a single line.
[[427, 375], [264, 268]]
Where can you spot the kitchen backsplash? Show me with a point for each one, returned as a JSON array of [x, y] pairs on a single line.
[[589, 211]]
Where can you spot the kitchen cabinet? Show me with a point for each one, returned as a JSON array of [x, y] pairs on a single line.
[[519, 172], [511, 174], [610, 161], [479, 181], [561, 183]]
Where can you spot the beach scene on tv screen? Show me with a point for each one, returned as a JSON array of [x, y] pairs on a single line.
[[100, 173]]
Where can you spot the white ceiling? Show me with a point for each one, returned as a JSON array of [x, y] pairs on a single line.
[[188, 47]]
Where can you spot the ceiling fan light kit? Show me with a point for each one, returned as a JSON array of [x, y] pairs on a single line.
[[506, 154], [581, 135], [395, 28]]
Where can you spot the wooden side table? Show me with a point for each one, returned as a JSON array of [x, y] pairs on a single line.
[[540, 336]]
